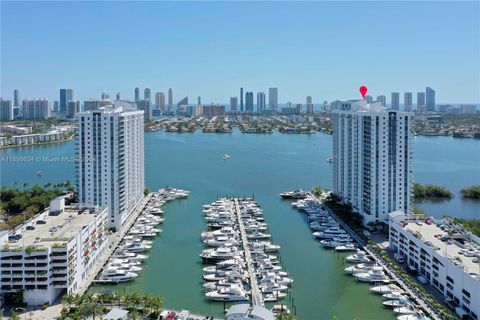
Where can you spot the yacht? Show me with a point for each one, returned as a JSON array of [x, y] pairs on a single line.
[[407, 309], [358, 257], [384, 289], [137, 247], [224, 274], [258, 235], [346, 247], [396, 303], [330, 233], [232, 293], [413, 316], [335, 242], [221, 253], [224, 283], [359, 268], [115, 275], [271, 287], [394, 295], [263, 247], [225, 231], [296, 194], [226, 157], [374, 275], [221, 241], [273, 277], [216, 269]]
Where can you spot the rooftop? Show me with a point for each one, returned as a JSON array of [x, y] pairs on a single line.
[[57, 228], [441, 241]]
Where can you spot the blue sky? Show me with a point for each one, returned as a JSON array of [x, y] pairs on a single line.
[[323, 49]]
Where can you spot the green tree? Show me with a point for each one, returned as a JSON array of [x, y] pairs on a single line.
[[14, 316]]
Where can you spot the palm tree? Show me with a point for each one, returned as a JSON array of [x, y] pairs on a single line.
[[133, 315]]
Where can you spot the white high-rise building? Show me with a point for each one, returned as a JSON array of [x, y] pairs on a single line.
[[261, 103], [273, 98], [111, 147], [372, 153]]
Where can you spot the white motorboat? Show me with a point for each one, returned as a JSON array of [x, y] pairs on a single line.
[[218, 254], [258, 235], [359, 268], [407, 309], [358, 257], [384, 289], [221, 241], [232, 293], [222, 275], [271, 287], [137, 247], [346, 247], [263, 247], [374, 275], [225, 231], [413, 316], [335, 242], [396, 303], [394, 295], [273, 277], [116, 275]]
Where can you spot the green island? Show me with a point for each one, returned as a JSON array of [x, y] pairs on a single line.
[[18, 205], [430, 191], [472, 192]]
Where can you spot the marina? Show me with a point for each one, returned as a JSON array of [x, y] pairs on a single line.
[[243, 267], [124, 264], [364, 265]]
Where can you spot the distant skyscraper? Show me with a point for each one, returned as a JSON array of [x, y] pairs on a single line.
[[372, 149], [420, 100], [183, 101], [73, 107], [407, 101], [199, 100], [249, 101], [162, 101], [146, 106], [261, 101], [170, 99], [395, 101], [147, 95], [6, 110], [273, 98], [105, 96], [309, 104], [383, 100], [241, 99], [118, 96], [111, 139], [16, 98], [369, 98], [233, 104], [430, 99], [36, 109], [137, 93], [65, 96]]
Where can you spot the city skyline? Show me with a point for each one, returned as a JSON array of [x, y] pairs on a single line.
[[314, 55]]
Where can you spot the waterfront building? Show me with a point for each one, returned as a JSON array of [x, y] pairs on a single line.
[[54, 135], [261, 101], [383, 100], [183, 102], [372, 153], [73, 107], [110, 142], [468, 108], [117, 97], [369, 98], [94, 104], [273, 98], [36, 109], [395, 105], [16, 130], [6, 110], [407, 101], [440, 251], [429, 99], [241, 99], [160, 101], [170, 100], [147, 95], [233, 104], [146, 106], [16, 98], [65, 96], [51, 260], [420, 100], [249, 101], [213, 110], [137, 93]]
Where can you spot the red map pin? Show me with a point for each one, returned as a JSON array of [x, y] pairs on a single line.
[[363, 91]]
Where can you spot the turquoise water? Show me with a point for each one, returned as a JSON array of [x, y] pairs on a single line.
[[263, 166]]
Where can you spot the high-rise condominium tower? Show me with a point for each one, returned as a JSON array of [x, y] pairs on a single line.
[[111, 171], [16, 98], [273, 98], [407, 101], [233, 104], [65, 96], [147, 95], [395, 101], [383, 100], [241, 99], [372, 160], [137, 94], [261, 101], [170, 99], [430, 99], [249, 101]]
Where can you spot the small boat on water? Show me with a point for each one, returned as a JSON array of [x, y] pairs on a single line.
[[280, 309], [296, 194], [39, 173], [226, 157]]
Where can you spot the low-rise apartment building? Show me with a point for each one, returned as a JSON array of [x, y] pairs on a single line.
[[55, 254], [447, 256]]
